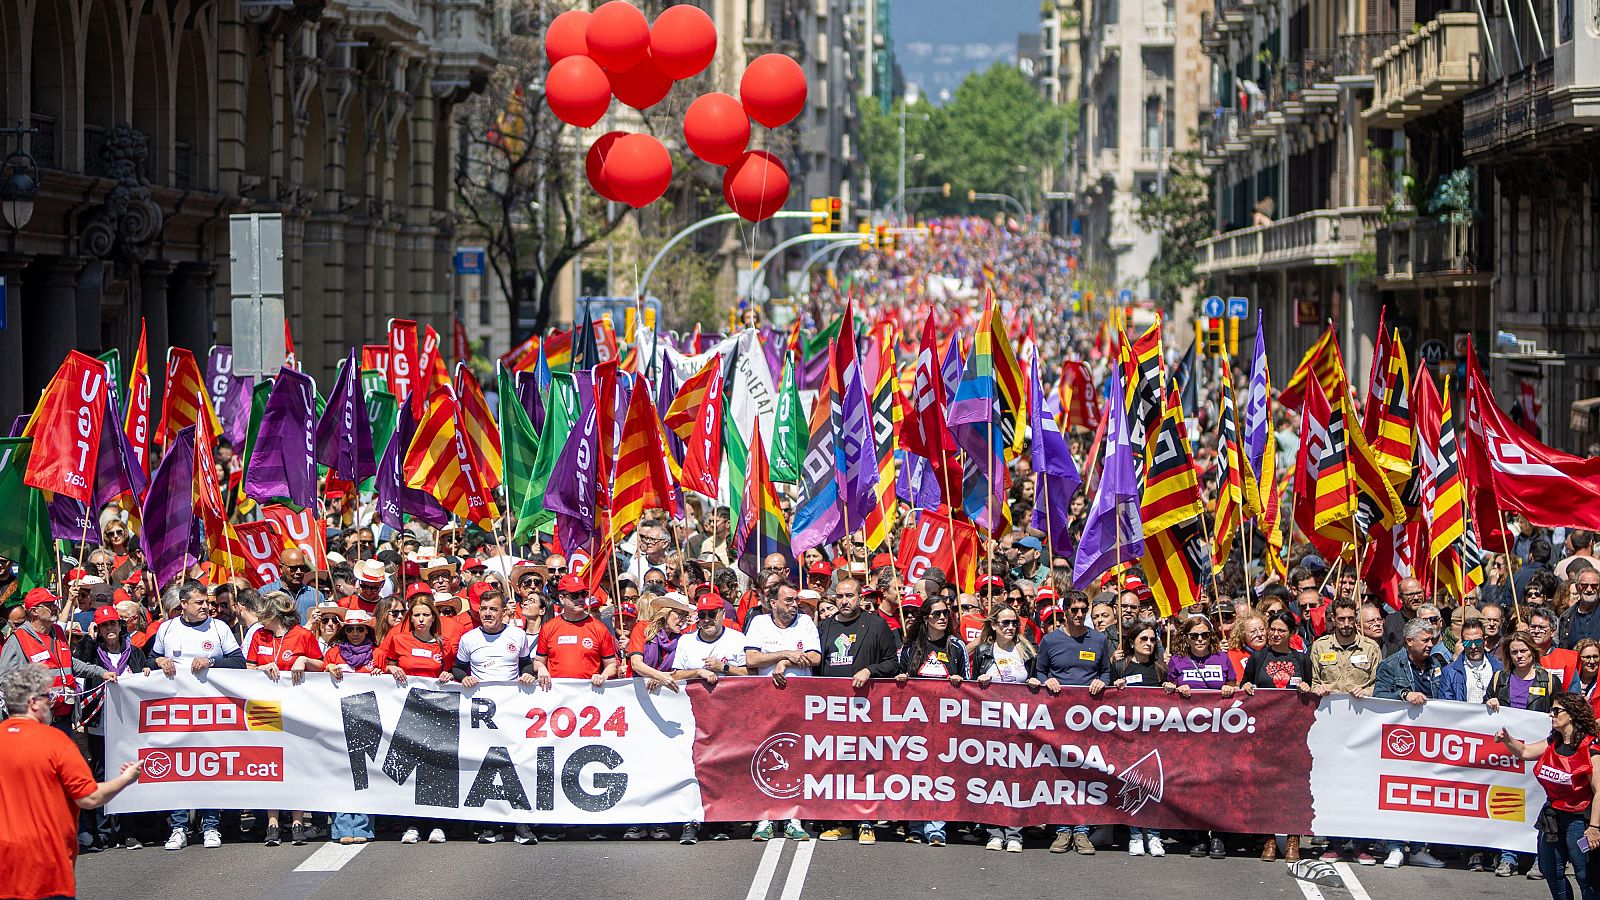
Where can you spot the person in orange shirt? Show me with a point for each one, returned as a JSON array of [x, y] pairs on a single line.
[[46, 783], [370, 576], [280, 645], [575, 644]]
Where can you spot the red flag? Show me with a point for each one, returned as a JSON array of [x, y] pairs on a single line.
[[924, 431], [259, 544], [65, 428], [460, 346], [938, 541], [702, 463], [402, 368], [137, 424], [431, 370], [302, 530], [375, 357], [1513, 471], [1314, 438], [289, 358]]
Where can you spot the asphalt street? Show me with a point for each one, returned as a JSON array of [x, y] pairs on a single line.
[[780, 870]]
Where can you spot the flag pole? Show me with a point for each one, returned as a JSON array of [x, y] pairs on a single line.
[[1511, 558]]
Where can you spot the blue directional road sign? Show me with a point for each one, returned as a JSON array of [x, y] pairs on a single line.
[[1124, 297], [1238, 307], [1213, 307]]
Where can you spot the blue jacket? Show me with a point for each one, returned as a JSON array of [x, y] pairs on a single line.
[[1453, 681], [1395, 679]]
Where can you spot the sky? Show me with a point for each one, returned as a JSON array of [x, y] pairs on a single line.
[[938, 42]]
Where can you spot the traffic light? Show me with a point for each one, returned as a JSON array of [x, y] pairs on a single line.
[[820, 217], [891, 242], [1216, 342], [867, 241], [882, 239], [972, 196], [835, 213]]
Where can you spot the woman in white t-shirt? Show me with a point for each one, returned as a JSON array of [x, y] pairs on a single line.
[[1003, 655]]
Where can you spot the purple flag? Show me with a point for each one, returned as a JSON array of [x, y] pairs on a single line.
[[914, 481], [773, 344], [813, 372], [69, 521], [1257, 422], [1055, 475], [395, 500], [570, 493], [344, 434], [230, 395], [283, 464], [528, 394], [1113, 532], [952, 367], [169, 519], [118, 471], [854, 445]]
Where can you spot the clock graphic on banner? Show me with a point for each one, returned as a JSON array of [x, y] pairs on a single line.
[[774, 767]]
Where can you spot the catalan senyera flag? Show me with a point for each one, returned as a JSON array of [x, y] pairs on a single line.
[[1386, 423], [1334, 503], [522, 357], [440, 462], [1271, 521], [483, 435], [1230, 480], [1370, 479], [1146, 385], [1168, 573], [1443, 493], [702, 458], [642, 480], [185, 398], [886, 415], [1323, 361], [685, 408], [136, 424], [1171, 485]]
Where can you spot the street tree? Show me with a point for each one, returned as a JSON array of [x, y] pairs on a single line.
[[1180, 212]]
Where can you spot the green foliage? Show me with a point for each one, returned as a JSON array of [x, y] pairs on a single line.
[[1182, 215], [1452, 199], [996, 122]]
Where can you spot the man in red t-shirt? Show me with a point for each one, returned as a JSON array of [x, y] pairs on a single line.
[[370, 576], [575, 644], [46, 783]]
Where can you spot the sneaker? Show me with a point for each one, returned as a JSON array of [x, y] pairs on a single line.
[[347, 840], [660, 833], [1425, 859], [1364, 858], [866, 836], [436, 836], [1535, 875], [1218, 850], [1062, 843], [690, 835], [597, 834], [411, 836], [634, 833], [213, 839], [551, 834], [1505, 869], [721, 834], [178, 840], [1013, 846], [297, 834], [1082, 844], [132, 843], [913, 838], [794, 831], [1155, 846], [935, 839], [1394, 860], [763, 832], [524, 835], [358, 839], [488, 836], [1135, 845], [1331, 855], [274, 836], [995, 844], [834, 834]]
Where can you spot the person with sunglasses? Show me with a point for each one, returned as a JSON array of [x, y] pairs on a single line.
[[856, 644], [1198, 664], [1141, 666], [353, 650], [1559, 661], [1581, 619], [370, 577], [932, 650], [972, 621], [1565, 767], [575, 644], [1585, 682], [294, 579], [1073, 655]]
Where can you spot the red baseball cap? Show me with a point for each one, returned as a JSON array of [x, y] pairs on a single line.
[[476, 592], [991, 581], [106, 614], [39, 597], [1046, 612], [419, 590], [75, 575], [628, 609], [572, 583], [820, 568], [912, 600], [1045, 593], [881, 560], [710, 601], [473, 563]]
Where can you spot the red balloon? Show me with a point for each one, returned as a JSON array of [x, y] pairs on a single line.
[[618, 35], [683, 41], [642, 86], [773, 89], [578, 91], [716, 128], [756, 186], [565, 36], [638, 169], [594, 164]]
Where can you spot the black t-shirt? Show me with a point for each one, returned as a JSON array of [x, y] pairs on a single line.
[[863, 643], [1268, 668], [1138, 674]]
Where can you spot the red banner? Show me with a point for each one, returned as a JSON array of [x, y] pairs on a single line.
[[260, 545], [303, 530], [403, 359], [66, 429], [939, 541], [1004, 755], [375, 357]]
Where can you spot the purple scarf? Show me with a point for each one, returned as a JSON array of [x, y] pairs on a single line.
[[658, 650], [356, 656]]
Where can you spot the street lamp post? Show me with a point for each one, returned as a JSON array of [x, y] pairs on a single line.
[[975, 196], [19, 181], [755, 277], [708, 221]]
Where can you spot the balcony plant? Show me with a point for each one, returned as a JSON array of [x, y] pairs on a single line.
[[1452, 204]]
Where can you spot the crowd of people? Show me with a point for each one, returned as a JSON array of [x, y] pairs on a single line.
[[464, 605]]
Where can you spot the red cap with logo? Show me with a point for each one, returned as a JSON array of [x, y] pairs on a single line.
[[39, 597], [881, 560], [106, 614], [988, 581], [572, 584], [419, 590], [709, 602]]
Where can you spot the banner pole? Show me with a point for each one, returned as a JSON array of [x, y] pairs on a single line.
[[1511, 565]]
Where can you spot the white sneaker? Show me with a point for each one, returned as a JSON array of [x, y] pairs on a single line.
[[1013, 846], [995, 844], [1394, 860], [1155, 846], [177, 840], [213, 839], [436, 836], [1136, 845], [411, 836]]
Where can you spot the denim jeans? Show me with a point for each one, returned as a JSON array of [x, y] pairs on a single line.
[[1073, 829], [355, 825], [210, 819], [1554, 856], [1002, 833], [1143, 833], [926, 828]]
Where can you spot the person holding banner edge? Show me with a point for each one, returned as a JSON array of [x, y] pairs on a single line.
[[1565, 768]]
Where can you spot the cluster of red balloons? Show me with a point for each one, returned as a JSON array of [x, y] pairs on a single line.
[[615, 51]]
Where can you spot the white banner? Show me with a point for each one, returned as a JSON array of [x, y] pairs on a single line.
[[1387, 769], [498, 752]]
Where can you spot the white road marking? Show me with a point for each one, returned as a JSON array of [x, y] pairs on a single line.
[[1351, 883], [769, 865], [330, 857], [798, 867], [1311, 891]]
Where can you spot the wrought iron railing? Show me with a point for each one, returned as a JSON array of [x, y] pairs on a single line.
[[1355, 52]]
